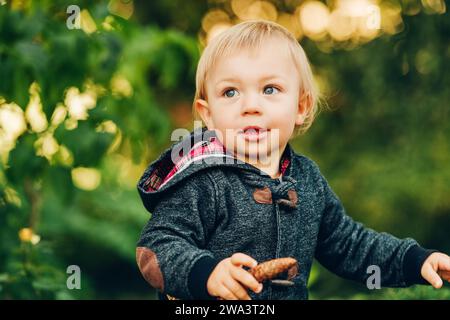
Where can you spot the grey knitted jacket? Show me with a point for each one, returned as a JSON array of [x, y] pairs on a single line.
[[206, 205]]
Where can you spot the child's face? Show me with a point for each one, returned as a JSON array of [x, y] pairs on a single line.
[[258, 88]]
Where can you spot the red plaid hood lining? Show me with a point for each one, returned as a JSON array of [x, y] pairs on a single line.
[[166, 170]]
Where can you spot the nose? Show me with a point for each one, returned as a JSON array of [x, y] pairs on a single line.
[[251, 104]]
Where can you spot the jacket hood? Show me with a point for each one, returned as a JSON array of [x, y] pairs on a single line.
[[200, 150]]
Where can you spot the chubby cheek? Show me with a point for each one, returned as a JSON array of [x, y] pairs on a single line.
[[223, 122], [285, 122], [283, 135]]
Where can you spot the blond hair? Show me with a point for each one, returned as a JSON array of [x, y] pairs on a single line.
[[251, 34]]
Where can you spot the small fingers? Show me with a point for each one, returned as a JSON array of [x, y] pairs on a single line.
[[445, 275], [431, 276], [444, 263], [236, 289], [226, 293], [245, 278], [241, 259]]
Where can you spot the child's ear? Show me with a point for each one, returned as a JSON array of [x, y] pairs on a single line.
[[203, 110], [304, 106]]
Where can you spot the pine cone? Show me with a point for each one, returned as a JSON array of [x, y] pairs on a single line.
[[272, 268]]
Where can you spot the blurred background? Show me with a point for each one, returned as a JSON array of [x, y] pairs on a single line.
[[90, 92]]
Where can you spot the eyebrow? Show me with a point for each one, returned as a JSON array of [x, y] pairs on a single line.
[[235, 79]]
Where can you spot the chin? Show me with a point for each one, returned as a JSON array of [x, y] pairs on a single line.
[[253, 153]]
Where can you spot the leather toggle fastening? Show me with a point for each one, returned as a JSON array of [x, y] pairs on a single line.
[[292, 202], [282, 192], [264, 195]]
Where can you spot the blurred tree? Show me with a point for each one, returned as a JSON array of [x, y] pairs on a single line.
[[80, 116]]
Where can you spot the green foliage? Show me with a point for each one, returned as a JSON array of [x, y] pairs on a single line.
[[386, 142], [418, 293], [98, 229]]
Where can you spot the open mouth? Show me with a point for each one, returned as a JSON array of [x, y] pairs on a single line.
[[254, 133]]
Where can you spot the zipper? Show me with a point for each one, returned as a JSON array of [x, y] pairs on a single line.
[[277, 211], [277, 252]]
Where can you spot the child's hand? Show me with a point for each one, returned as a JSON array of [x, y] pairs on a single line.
[[228, 279], [436, 266]]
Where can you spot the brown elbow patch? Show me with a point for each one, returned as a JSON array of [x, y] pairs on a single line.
[[148, 265]]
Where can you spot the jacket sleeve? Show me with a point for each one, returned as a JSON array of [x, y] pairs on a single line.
[[347, 248], [171, 252]]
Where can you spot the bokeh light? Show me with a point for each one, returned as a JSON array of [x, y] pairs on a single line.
[[33, 113], [78, 103], [314, 17], [340, 21], [86, 178]]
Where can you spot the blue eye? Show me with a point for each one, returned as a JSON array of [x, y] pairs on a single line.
[[270, 90], [230, 93]]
